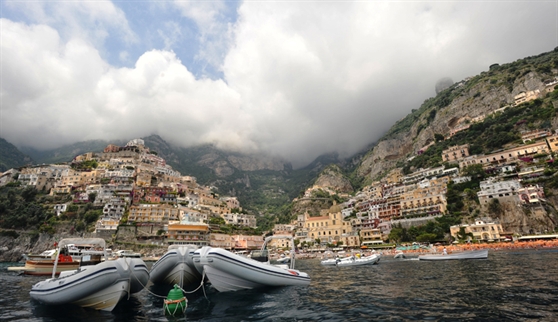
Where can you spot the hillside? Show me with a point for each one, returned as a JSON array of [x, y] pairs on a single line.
[[458, 106], [263, 184], [11, 157]]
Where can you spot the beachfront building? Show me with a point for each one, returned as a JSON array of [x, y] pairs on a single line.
[[485, 231], [279, 243], [328, 227], [351, 240], [371, 236], [186, 233]]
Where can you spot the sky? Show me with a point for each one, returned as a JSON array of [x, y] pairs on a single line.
[[294, 79]]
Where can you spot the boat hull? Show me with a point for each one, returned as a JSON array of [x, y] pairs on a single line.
[[478, 254], [44, 267], [230, 272], [176, 267], [100, 286], [329, 262], [368, 260]]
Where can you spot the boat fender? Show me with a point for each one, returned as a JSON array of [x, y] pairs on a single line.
[[176, 302]]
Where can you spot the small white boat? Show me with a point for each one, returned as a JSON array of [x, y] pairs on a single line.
[[399, 255], [475, 254], [227, 271], [176, 266], [127, 253], [330, 261], [99, 286], [283, 259], [356, 261]]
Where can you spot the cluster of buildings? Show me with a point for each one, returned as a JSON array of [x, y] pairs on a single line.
[[413, 199], [135, 184]]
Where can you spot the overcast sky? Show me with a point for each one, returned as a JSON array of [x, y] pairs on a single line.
[[294, 78]]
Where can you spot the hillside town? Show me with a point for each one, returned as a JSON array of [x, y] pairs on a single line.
[[416, 198], [144, 200]]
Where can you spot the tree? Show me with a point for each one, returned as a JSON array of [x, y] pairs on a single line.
[[462, 235], [92, 196], [475, 171], [426, 237], [217, 221], [438, 137]]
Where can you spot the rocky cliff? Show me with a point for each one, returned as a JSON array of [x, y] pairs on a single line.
[[457, 106], [333, 178]]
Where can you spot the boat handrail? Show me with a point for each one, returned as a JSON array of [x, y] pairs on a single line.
[[291, 253], [67, 241]]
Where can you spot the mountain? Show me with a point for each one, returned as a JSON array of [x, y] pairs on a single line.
[[11, 157], [68, 152], [263, 184]]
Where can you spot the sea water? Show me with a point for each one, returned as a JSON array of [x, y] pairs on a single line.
[[508, 286]]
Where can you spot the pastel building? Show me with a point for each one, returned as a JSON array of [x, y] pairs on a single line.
[[485, 231]]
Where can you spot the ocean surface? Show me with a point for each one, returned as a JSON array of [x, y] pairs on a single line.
[[508, 286]]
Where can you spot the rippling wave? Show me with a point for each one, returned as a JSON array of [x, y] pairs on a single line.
[[508, 286]]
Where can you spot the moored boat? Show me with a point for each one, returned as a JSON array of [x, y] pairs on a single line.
[[475, 254], [358, 261], [283, 259], [43, 264], [127, 253], [176, 266], [99, 286], [399, 255], [227, 271]]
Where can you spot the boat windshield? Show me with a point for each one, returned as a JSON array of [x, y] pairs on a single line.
[[260, 255]]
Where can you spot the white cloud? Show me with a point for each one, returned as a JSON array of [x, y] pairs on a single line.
[[300, 79]]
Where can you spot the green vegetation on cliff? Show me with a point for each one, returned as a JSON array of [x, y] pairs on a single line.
[[11, 157]]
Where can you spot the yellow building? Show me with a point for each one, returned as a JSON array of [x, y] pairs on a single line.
[[188, 234], [328, 228], [481, 231], [429, 199], [279, 243], [161, 213], [508, 155], [553, 142], [394, 176], [371, 236], [456, 152]]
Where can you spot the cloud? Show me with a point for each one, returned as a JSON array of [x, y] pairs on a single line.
[[299, 78], [91, 20]]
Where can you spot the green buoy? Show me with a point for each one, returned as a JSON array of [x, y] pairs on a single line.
[[175, 303]]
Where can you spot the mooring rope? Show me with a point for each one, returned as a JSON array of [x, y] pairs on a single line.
[[197, 288], [163, 297]]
